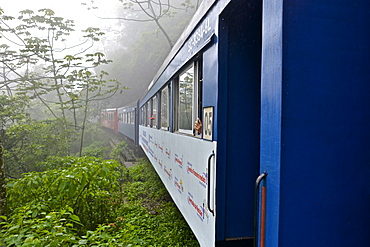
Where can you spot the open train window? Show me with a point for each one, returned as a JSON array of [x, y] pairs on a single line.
[[189, 97], [186, 93], [142, 115], [153, 117], [165, 108], [148, 113]]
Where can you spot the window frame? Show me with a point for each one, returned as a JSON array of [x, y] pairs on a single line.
[[167, 110], [154, 112], [196, 64]]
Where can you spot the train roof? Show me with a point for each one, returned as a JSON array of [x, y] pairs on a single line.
[[127, 108], [109, 109]]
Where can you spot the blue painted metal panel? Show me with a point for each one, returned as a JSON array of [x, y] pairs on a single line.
[[238, 121], [127, 129], [315, 113], [271, 79], [210, 79], [325, 122]]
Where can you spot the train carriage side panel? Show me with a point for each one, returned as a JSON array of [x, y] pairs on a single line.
[[230, 84], [182, 164], [315, 115], [185, 163], [115, 121], [127, 121], [109, 119]]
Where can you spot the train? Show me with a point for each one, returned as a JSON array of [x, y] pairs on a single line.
[[281, 90]]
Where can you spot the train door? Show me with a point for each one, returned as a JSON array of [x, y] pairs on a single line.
[[238, 121]]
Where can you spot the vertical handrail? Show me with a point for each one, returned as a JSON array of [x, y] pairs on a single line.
[[256, 192], [208, 185]]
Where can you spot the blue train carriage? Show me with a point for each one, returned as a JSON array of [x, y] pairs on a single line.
[[315, 135], [127, 121], [290, 104], [213, 73]]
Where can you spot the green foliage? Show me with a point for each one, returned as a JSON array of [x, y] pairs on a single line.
[[95, 138], [150, 213], [47, 229], [117, 150], [13, 109], [96, 149], [26, 144], [80, 203], [87, 186], [144, 184]]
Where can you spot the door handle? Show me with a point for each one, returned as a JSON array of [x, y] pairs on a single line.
[[208, 185]]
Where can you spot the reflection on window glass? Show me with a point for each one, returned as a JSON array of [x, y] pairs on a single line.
[[165, 109], [142, 116], [148, 113], [132, 118], [186, 80], [154, 113]]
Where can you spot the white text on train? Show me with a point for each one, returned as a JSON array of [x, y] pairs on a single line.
[[198, 35]]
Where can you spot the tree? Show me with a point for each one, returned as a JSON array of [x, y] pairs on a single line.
[[3, 203], [141, 51], [27, 143], [152, 11], [65, 79]]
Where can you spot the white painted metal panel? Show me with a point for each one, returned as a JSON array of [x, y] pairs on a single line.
[[182, 163]]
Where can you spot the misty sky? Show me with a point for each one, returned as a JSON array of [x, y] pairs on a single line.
[[69, 9]]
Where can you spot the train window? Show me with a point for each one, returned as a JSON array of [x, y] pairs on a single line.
[[142, 115], [189, 97], [148, 113], [165, 109], [186, 81], [132, 117], [153, 118]]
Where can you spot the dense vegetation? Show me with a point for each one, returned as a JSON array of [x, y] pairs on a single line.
[[51, 92], [88, 201]]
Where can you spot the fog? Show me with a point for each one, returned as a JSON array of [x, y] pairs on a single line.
[[139, 49], [136, 44]]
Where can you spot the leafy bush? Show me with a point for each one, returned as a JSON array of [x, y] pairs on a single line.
[[81, 203], [151, 212], [47, 229], [96, 149], [26, 144], [87, 185]]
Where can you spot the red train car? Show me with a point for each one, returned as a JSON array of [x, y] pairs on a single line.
[[109, 119]]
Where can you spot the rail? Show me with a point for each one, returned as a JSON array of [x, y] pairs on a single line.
[[208, 185], [263, 209]]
